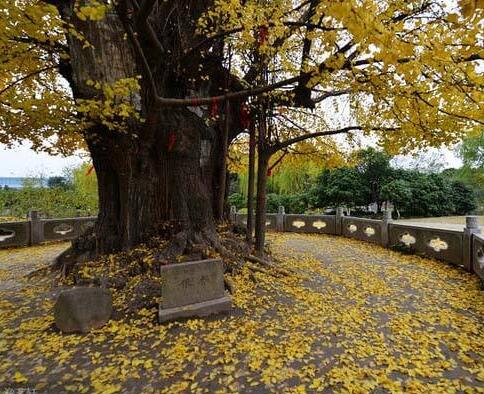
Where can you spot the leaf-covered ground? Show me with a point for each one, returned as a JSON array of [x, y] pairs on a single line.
[[358, 318]]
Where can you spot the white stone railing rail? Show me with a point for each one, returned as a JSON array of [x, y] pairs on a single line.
[[35, 230], [464, 247], [478, 255], [442, 244]]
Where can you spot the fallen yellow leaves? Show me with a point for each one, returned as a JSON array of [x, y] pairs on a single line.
[[359, 318]]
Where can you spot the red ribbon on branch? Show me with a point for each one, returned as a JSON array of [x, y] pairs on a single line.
[[277, 162], [171, 140], [244, 116], [263, 33], [214, 108]]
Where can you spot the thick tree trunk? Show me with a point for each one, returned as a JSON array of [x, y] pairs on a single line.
[[162, 175], [223, 165], [146, 184], [260, 217], [263, 156]]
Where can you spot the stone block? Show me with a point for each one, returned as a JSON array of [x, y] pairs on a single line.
[[193, 289], [200, 309], [82, 309]]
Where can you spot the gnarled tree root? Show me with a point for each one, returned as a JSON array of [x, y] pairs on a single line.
[[82, 249], [270, 266]]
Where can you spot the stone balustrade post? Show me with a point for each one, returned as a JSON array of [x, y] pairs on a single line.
[[385, 226], [35, 227], [472, 227], [339, 220], [233, 214], [280, 219]]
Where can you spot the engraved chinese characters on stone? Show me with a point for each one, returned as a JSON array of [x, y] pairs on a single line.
[[186, 283], [193, 289], [193, 282], [204, 281]]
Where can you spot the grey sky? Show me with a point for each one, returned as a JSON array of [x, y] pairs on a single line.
[[22, 161]]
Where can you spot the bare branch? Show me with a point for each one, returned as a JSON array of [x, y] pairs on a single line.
[[287, 143], [197, 101], [344, 130]]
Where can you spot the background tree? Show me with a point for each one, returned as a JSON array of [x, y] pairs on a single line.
[[463, 198], [59, 182], [399, 192], [375, 170], [413, 192], [471, 151], [339, 187], [76, 195]]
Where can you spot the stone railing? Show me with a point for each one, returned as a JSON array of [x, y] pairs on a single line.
[[444, 245], [36, 230], [464, 247], [478, 255]]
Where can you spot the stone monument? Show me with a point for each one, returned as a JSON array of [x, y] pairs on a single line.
[[193, 289]]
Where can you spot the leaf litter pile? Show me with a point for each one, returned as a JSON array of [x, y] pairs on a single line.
[[355, 318]]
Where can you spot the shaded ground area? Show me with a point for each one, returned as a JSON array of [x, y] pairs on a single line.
[[358, 318]]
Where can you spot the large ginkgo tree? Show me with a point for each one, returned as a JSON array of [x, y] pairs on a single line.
[[156, 90]]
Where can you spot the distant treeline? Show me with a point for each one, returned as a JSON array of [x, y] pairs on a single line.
[[372, 182], [73, 194]]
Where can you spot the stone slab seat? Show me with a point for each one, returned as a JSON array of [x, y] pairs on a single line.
[[193, 289]]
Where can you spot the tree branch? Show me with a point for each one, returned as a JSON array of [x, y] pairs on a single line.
[[33, 73], [145, 10], [334, 93], [428, 103], [287, 143], [197, 101], [277, 161], [142, 24]]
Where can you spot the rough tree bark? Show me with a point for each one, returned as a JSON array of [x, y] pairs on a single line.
[[166, 169], [263, 157]]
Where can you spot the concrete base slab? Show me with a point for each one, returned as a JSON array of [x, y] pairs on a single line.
[[205, 308]]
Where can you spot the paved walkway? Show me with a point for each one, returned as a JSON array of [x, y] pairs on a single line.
[[442, 226], [445, 222], [358, 318]]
